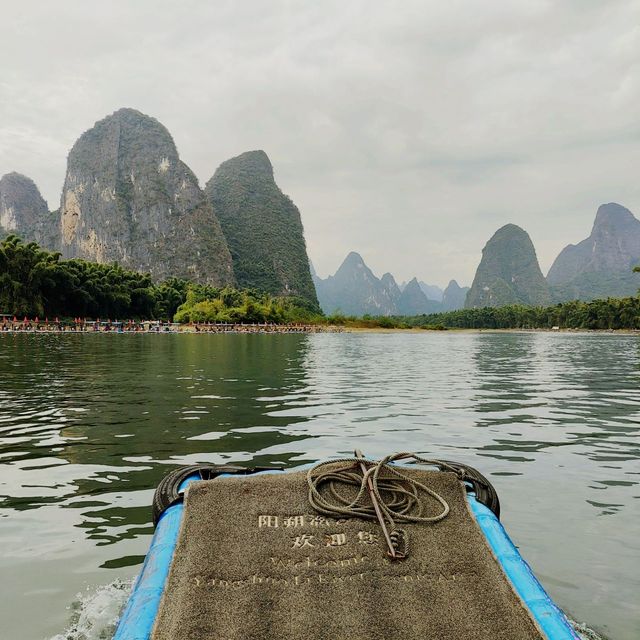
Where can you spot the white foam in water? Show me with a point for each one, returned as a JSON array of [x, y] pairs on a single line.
[[584, 632], [95, 613]]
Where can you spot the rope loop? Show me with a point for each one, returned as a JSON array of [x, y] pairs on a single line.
[[398, 495]]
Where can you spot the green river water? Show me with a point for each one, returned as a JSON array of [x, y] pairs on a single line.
[[90, 423]]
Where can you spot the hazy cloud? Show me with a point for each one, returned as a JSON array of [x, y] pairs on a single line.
[[406, 131]]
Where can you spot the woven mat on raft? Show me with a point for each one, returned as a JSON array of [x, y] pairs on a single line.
[[254, 563]]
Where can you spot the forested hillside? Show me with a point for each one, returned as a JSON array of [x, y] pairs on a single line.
[[509, 272], [262, 227], [36, 282]]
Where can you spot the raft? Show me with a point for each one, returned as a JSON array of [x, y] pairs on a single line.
[[245, 553]]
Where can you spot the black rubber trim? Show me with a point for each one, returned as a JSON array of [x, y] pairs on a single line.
[[478, 484], [167, 493]]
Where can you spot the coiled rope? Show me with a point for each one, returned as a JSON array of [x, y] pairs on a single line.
[[397, 494]]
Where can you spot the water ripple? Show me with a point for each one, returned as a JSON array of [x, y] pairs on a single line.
[[89, 425]]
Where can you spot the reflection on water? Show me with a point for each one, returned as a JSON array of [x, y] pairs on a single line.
[[89, 425]]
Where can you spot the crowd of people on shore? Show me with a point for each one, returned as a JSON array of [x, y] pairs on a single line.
[[12, 324]]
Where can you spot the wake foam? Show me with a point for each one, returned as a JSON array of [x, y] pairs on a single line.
[[585, 632], [95, 613]]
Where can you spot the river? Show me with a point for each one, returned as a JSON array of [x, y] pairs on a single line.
[[90, 423]]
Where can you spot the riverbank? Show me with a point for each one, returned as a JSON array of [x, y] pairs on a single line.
[[457, 330], [159, 327], [240, 328]]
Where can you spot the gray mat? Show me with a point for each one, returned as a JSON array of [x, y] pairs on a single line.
[[253, 563]]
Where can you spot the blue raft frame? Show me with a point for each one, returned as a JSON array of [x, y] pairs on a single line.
[[139, 615]]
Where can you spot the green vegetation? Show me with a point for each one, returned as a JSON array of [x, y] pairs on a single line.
[[380, 322], [367, 321], [613, 313], [207, 304], [35, 282], [262, 227]]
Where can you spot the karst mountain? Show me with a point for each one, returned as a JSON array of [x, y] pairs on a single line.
[[355, 290], [24, 212], [129, 198], [508, 272], [391, 288], [454, 296], [601, 265], [262, 227], [413, 301]]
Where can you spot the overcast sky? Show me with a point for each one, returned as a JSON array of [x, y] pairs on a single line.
[[407, 131]]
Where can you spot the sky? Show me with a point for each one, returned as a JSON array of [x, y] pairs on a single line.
[[406, 131]]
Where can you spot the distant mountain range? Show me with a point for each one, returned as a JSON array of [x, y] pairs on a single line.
[[355, 290], [128, 198], [597, 267], [508, 273], [432, 291]]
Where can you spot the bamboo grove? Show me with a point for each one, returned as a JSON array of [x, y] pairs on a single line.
[[36, 282]]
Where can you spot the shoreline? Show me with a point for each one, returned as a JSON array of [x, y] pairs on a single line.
[[280, 330], [80, 326], [450, 330]]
